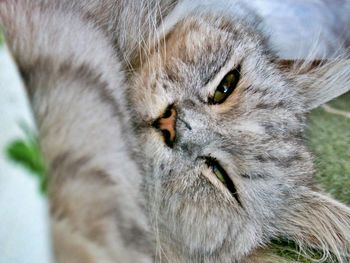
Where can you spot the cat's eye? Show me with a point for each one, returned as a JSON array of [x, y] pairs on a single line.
[[226, 87], [217, 170], [219, 173], [223, 177]]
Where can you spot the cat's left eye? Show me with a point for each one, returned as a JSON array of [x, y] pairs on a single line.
[[226, 87], [223, 177], [217, 170]]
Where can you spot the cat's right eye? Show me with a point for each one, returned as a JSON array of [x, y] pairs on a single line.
[[227, 85]]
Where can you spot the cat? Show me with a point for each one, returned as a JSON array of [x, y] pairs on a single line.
[[172, 131]]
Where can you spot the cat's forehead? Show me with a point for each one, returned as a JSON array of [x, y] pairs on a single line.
[[209, 33], [206, 44], [197, 49]]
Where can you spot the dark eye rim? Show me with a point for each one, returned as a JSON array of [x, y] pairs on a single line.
[[237, 73], [212, 163]]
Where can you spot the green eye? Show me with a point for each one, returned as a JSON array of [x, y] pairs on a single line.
[[217, 170], [219, 174], [226, 87], [223, 177]]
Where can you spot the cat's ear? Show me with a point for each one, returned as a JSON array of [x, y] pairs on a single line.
[[318, 81], [317, 221]]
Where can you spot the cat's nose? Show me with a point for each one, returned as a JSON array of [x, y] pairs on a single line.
[[166, 124]]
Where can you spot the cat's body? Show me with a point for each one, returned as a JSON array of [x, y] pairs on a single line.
[[76, 89], [143, 189]]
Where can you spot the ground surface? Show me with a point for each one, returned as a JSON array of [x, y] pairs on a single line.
[[329, 139]]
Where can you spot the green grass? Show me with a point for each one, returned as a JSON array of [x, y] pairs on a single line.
[[289, 251], [329, 137]]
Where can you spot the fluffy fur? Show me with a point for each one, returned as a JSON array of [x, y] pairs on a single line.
[[82, 60], [76, 89]]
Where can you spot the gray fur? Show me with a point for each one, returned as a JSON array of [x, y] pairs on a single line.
[[257, 135], [76, 90]]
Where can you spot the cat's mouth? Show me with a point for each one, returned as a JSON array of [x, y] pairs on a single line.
[[221, 175]]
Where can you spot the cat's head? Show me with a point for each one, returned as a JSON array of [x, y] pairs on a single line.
[[221, 128]]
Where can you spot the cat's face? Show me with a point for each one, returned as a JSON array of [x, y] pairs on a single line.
[[222, 166]]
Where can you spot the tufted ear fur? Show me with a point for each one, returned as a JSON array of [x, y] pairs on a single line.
[[318, 221], [319, 81]]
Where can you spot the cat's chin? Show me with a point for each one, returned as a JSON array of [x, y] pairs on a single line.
[[194, 220], [212, 240]]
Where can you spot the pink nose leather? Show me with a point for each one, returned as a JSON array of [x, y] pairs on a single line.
[[166, 124]]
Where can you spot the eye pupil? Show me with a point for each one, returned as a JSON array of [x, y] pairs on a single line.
[[226, 87]]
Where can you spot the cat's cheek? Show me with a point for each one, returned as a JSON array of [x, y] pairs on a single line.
[[196, 232], [217, 234], [197, 216]]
